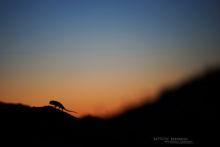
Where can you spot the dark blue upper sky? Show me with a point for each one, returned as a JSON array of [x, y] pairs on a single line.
[[30, 25]]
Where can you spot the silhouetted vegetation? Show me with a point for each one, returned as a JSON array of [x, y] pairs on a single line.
[[188, 111]]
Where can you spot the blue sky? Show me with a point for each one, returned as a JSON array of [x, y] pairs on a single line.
[[44, 24]]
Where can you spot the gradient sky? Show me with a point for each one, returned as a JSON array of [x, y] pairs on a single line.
[[98, 56]]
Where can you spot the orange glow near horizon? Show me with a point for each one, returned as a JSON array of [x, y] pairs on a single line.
[[97, 95]]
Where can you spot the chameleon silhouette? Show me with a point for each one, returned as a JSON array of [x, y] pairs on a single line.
[[60, 106]]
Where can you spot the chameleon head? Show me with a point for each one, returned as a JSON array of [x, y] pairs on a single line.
[[52, 102]]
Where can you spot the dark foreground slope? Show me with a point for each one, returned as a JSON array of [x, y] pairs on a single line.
[[34, 125], [185, 115]]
